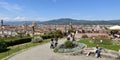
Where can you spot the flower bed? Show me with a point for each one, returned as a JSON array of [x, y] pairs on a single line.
[[62, 49]]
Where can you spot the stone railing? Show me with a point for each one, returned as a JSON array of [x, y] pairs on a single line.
[[104, 53]]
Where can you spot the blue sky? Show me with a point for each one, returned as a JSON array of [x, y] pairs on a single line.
[[43, 10]]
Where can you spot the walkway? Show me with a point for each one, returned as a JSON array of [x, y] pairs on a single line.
[[43, 52]]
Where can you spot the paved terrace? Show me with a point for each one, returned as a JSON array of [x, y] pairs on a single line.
[[43, 52]]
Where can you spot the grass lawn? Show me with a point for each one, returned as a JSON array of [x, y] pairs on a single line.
[[90, 44], [16, 48]]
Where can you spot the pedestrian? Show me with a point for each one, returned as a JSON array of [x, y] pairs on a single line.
[[73, 38], [52, 44], [56, 42], [98, 51]]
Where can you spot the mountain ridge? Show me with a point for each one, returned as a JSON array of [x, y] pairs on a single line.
[[66, 21]]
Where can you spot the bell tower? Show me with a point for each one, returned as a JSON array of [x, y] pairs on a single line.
[[1, 23], [70, 26]]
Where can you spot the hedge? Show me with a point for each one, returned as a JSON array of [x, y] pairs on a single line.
[[3, 46], [53, 34], [47, 36], [17, 41], [84, 36]]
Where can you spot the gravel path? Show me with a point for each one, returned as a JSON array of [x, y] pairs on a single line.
[[43, 52]]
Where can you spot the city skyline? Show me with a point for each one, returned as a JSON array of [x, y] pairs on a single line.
[[42, 10]]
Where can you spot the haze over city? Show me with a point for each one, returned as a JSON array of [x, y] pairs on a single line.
[[42, 10]]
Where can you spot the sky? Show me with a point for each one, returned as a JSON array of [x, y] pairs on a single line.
[[43, 10]]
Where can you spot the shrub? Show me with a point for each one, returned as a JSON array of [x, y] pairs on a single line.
[[68, 44], [71, 31], [14, 41], [28, 35], [37, 39], [55, 34], [56, 49], [3, 45], [84, 36]]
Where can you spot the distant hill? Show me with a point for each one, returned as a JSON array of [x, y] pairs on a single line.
[[80, 22], [65, 21]]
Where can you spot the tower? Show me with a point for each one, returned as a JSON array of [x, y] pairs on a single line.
[[33, 27], [33, 22], [70, 26], [1, 22]]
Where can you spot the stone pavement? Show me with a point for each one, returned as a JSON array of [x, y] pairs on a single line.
[[43, 52]]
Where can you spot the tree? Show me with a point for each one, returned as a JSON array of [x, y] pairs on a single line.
[[3, 45], [20, 34]]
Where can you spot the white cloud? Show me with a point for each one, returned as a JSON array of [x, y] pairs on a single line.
[[10, 7], [20, 18], [5, 18]]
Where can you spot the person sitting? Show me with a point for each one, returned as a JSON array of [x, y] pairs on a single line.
[[56, 42], [52, 44]]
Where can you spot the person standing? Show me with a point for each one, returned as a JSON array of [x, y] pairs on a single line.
[[73, 38], [98, 51]]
